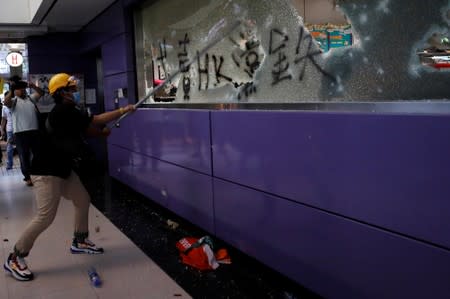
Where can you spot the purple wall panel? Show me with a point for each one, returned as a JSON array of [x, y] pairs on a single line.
[[114, 55], [187, 193], [388, 170], [109, 24], [55, 53], [63, 44], [180, 137], [59, 63], [118, 158], [140, 173], [190, 195], [112, 83], [333, 256]]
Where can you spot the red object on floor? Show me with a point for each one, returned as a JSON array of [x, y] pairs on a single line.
[[197, 253]]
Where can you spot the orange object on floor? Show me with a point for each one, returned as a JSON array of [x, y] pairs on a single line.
[[199, 254], [222, 256]]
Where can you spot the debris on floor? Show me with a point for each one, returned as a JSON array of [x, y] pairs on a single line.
[[145, 223], [198, 253], [172, 224]]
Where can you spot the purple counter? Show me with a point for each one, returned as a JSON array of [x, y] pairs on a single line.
[[391, 171], [350, 205]]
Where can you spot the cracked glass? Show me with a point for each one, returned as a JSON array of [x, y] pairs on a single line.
[[273, 51]]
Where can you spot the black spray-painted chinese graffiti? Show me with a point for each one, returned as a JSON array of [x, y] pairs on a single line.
[[184, 68], [304, 37], [248, 56], [218, 62], [246, 90], [161, 58], [203, 70], [277, 43]]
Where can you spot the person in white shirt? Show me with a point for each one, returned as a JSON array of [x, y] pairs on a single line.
[[25, 122], [7, 130]]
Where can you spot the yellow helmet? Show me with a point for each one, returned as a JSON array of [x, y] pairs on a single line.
[[61, 80]]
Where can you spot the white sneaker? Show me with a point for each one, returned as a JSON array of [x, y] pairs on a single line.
[[18, 268], [85, 247]]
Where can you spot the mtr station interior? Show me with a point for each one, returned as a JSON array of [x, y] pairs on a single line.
[[225, 149]]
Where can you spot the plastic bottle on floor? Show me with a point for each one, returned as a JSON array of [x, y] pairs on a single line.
[[94, 277]]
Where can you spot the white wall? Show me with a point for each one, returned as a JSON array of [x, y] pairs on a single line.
[[34, 6], [18, 11]]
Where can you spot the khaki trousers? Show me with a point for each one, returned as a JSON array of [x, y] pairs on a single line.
[[48, 191]]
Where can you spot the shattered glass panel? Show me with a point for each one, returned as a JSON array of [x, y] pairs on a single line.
[[399, 51]]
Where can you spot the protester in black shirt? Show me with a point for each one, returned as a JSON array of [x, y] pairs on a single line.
[[53, 172]]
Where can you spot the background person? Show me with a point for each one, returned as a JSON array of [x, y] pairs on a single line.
[[7, 130], [25, 122]]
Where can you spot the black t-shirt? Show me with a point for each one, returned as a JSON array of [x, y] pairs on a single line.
[[62, 142]]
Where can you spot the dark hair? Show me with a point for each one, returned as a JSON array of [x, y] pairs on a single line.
[[19, 84], [15, 78]]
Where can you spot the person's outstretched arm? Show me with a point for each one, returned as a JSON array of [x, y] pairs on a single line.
[[8, 102], [104, 118], [39, 91]]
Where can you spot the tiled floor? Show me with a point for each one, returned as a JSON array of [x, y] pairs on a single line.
[[125, 270], [145, 223], [126, 219]]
